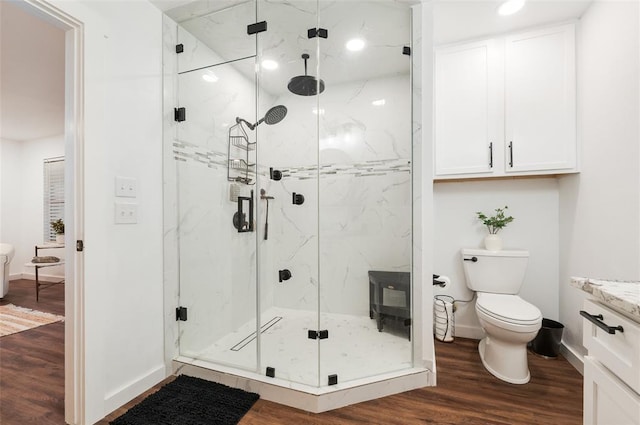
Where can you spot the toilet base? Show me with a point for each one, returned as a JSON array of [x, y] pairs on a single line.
[[507, 362]]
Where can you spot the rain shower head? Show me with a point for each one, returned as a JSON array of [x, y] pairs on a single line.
[[305, 85], [273, 116]]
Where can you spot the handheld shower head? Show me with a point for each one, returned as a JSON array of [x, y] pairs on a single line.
[[273, 116]]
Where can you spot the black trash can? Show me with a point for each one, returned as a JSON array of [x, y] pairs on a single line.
[[547, 342]]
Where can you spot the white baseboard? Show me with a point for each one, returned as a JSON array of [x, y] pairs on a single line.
[[125, 394], [575, 359], [471, 332]]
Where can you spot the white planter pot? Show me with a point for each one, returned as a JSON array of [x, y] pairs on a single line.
[[60, 239], [493, 242]]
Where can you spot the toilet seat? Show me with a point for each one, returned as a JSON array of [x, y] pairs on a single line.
[[509, 312]]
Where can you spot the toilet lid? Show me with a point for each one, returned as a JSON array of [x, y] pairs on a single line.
[[508, 308]]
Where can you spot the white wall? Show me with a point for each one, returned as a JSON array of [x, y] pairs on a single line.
[[534, 205], [10, 194], [123, 296], [600, 207], [22, 201]]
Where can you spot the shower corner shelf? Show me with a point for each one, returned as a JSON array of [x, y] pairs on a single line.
[[242, 142], [240, 168]]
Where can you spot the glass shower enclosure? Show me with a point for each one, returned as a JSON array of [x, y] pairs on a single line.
[[290, 187]]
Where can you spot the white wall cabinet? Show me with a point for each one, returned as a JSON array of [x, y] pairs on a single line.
[[506, 106], [612, 368]]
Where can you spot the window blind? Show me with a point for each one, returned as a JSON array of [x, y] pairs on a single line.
[[53, 190]]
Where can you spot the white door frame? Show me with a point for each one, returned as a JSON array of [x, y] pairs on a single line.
[[74, 388]]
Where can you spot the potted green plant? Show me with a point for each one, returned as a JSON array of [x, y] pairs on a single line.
[[58, 227], [494, 224]]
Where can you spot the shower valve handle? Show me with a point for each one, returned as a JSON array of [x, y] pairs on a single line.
[[298, 199], [284, 275]]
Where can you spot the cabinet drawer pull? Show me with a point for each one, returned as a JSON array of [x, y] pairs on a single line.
[[511, 154], [596, 319], [491, 155]]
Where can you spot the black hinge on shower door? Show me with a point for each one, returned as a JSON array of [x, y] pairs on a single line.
[[181, 314], [406, 50], [179, 114], [179, 48], [317, 32], [257, 27], [79, 245], [324, 334]]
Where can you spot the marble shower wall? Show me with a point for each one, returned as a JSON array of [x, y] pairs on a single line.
[[357, 216]]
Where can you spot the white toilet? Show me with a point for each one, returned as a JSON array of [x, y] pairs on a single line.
[[508, 321], [6, 255]]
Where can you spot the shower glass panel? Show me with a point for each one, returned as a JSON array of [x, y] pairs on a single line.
[[308, 131], [218, 263], [365, 221], [288, 235]]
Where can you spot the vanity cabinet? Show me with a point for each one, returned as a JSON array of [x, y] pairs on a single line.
[[506, 106], [611, 368]]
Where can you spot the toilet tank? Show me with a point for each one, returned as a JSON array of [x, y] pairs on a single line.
[[498, 272]]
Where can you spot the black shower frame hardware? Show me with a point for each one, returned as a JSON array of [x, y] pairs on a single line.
[[283, 275], [257, 27], [297, 199], [181, 314], [179, 48], [271, 372], [275, 175], [317, 32], [180, 114], [332, 379], [323, 334], [406, 50]]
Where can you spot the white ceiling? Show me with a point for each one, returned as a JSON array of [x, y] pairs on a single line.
[[456, 20], [31, 76]]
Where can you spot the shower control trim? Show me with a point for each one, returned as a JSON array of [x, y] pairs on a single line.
[[275, 175], [298, 199], [284, 275]]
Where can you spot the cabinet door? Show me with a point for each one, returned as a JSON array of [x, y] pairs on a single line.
[[468, 125], [607, 401], [540, 107]]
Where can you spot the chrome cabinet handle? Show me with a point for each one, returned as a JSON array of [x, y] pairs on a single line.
[[596, 319]]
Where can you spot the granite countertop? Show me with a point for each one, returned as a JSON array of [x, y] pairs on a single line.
[[622, 295]]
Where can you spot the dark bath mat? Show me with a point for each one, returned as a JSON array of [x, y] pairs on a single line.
[[190, 401]]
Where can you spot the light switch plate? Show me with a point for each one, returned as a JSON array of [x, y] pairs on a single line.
[[126, 187], [126, 213]]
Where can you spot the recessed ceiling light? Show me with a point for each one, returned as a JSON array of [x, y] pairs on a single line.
[[269, 64], [210, 77], [510, 7], [379, 102], [355, 44]]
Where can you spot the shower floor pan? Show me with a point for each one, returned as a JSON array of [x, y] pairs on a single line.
[[355, 349]]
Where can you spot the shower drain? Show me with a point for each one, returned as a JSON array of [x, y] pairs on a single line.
[[247, 340]]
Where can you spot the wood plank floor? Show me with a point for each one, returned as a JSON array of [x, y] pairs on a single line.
[[32, 362], [32, 377]]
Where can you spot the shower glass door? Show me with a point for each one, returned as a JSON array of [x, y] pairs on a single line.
[[287, 178], [215, 167], [365, 220]]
